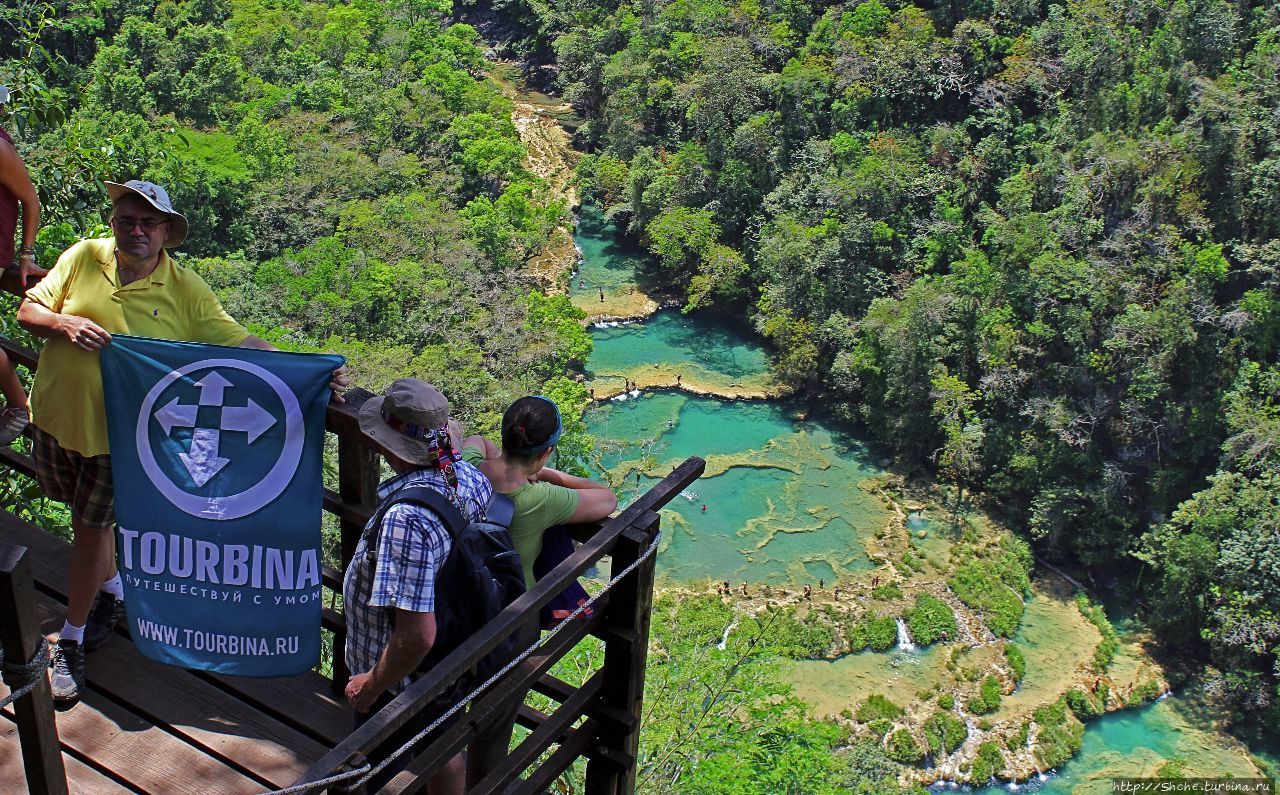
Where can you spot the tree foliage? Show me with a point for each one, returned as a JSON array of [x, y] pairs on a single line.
[[1029, 246], [931, 620], [353, 182]]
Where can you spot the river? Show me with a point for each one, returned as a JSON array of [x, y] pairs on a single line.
[[784, 501]]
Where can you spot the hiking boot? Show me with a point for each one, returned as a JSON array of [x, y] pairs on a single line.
[[103, 617], [66, 676], [13, 421]]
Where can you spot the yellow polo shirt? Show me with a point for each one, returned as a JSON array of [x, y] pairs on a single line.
[[172, 303]]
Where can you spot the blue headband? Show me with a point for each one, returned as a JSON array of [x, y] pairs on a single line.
[[552, 439]]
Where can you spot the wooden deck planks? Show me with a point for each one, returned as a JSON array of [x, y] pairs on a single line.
[[149, 758], [80, 777], [304, 702], [229, 733], [192, 709]]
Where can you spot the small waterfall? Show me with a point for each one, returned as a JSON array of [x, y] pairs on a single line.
[[724, 639], [904, 637]]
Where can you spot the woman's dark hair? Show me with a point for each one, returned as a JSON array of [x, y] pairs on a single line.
[[528, 427]]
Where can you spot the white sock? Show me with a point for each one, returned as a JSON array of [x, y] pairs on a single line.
[[71, 633], [114, 586]]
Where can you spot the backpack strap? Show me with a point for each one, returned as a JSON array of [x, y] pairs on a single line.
[[423, 497], [500, 511]]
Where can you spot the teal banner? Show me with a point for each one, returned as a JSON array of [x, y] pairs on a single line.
[[216, 455]]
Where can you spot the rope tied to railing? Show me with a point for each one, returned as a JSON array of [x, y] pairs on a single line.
[[22, 678], [368, 773]]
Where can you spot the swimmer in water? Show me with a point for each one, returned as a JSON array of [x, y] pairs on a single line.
[[704, 508]]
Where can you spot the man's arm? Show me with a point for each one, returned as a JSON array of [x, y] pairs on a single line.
[[412, 638], [14, 176], [43, 322]]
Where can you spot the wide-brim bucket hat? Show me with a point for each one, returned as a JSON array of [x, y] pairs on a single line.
[[158, 198], [404, 419]]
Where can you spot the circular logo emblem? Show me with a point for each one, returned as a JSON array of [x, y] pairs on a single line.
[[201, 461]]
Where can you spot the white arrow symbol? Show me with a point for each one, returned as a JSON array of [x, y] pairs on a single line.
[[252, 419], [211, 388], [203, 462], [174, 414]]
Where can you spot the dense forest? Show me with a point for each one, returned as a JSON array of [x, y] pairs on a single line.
[[1030, 245], [352, 182]]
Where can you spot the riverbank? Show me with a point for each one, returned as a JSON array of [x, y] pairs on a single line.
[[549, 154], [664, 379], [700, 355]]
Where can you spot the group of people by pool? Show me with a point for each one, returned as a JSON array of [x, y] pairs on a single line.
[[725, 588]]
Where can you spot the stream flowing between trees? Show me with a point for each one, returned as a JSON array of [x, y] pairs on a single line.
[[784, 502]]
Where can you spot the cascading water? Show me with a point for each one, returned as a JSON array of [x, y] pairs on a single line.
[[724, 639], [904, 638]]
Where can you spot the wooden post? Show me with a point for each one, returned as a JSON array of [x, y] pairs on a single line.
[[20, 635], [358, 470], [612, 768]]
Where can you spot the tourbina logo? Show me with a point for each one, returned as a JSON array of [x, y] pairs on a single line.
[[198, 479]]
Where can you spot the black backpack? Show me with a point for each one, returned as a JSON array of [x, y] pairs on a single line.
[[480, 577]]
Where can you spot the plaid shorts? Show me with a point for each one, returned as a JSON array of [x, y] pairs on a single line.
[[83, 482]]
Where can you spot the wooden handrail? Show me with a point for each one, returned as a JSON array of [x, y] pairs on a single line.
[[21, 638]]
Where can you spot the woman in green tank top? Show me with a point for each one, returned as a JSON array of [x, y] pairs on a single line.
[[544, 497]]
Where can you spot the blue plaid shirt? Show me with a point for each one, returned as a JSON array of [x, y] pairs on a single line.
[[412, 546]]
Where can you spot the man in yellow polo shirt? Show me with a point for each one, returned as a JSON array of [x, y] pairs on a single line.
[[126, 284]]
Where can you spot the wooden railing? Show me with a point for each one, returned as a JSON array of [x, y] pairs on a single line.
[[21, 639], [607, 703]]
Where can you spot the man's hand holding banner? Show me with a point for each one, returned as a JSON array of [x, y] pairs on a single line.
[[216, 454]]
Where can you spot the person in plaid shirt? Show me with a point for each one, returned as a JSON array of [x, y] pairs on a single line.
[[390, 605]]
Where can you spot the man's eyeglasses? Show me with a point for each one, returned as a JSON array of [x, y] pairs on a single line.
[[147, 224]]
